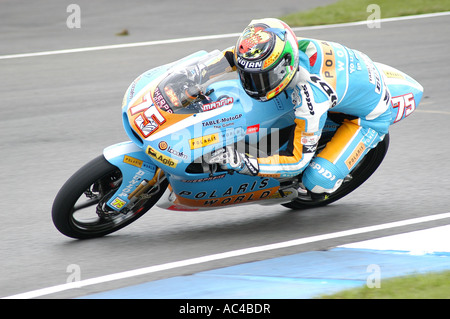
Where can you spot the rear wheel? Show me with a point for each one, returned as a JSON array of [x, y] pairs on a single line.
[[79, 209], [357, 176]]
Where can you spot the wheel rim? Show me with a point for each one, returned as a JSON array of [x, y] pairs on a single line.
[[90, 214], [86, 215]]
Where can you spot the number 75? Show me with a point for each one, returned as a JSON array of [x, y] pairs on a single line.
[[405, 105]]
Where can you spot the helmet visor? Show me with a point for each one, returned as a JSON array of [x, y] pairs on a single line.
[[258, 84]]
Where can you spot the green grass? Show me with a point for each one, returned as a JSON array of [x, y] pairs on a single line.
[[356, 10], [420, 286]]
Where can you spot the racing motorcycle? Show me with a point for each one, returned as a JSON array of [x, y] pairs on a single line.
[[167, 160]]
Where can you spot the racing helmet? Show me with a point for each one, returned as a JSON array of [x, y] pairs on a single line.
[[266, 58]]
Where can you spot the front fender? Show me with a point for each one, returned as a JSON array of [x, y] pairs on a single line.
[[135, 167]]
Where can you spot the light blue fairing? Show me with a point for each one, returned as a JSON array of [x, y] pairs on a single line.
[[406, 93], [135, 167]]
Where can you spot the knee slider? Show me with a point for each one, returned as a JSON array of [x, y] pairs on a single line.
[[322, 176]]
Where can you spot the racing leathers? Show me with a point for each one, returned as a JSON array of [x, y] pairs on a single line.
[[345, 85]]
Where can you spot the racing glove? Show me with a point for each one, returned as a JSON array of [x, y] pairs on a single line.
[[230, 159]]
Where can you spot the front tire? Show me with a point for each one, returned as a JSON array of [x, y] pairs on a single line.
[[359, 175], [79, 209]]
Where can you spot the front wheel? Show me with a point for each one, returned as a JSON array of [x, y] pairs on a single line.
[[357, 176], [79, 209]]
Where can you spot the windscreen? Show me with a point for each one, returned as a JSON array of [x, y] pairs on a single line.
[[184, 88]]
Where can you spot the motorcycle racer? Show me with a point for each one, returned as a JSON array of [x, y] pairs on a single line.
[[321, 79], [190, 131]]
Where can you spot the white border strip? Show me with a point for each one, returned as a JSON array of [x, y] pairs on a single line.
[[212, 37], [229, 254]]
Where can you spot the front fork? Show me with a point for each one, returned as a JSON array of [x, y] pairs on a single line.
[[139, 175]]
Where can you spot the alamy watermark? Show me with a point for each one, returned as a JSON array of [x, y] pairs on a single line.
[[374, 279], [74, 19], [74, 272], [373, 20]]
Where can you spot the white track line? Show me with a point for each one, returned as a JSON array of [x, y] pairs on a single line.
[[211, 37], [120, 46], [229, 254]]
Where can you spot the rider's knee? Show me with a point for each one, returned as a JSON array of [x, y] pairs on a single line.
[[322, 176]]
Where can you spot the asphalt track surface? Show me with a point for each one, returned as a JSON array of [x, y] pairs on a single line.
[[60, 111]]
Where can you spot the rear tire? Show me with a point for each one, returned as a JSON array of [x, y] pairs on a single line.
[[94, 184], [360, 174]]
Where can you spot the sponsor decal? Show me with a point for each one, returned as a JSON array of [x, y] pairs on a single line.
[[353, 66], [243, 193], [230, 133], [309, 138], [229, 200], [355, 156], [203, 141], [309, 142], [309, 148], [373, 74], [138, 163], [253, 129], [241, 189], [393, 74], [118, 203], [166, 160], [217, 104], [222, 120], [205, 179], [163, 145], [177, 153], [326, 88], [323, 171], [369, 137], [249, 64], [328, 63], [308, 99], [159, 100], [133, 161], [132, 184], [276, 53]]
